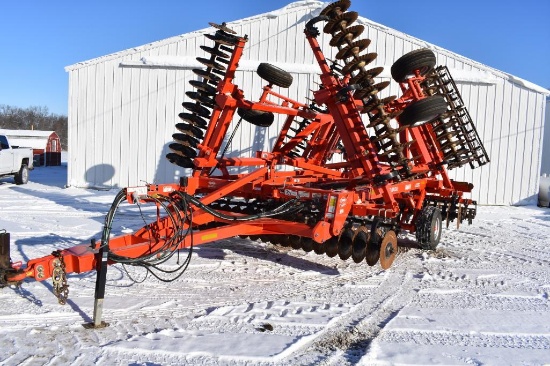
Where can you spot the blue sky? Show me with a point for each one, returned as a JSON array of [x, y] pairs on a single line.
[[39, 38]]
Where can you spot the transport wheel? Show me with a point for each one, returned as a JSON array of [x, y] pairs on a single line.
[[428, 228], [360, 241], [331, 246], [307, 244], [22, 176], [274, 75], [373, 248], [257, 118], [422, 111], [388, 249], [422, 59], [345, 244]]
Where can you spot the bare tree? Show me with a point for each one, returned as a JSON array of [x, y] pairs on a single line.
[[34, 118]]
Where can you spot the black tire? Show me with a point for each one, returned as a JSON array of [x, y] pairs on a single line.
[[428, 228], [257, 118], [422, 59], [274, 75], [22, 176], [423, 111]]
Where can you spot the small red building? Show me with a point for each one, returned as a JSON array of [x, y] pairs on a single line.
[[45, 144]]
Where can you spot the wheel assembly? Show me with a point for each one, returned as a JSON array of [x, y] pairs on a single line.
[[419, 62], [274, 75], [258, 118], [429, 227], [423, 111]]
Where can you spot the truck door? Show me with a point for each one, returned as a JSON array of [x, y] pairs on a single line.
[[6, 156]]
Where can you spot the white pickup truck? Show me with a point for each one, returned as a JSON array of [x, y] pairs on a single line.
[[16, 161]]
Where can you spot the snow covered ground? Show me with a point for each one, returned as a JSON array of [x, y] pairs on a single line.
[[481, 298]]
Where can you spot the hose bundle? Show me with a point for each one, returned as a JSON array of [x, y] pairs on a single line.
[[179, 213], [178, 208]]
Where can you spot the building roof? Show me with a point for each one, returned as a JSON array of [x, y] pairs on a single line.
[[314, 6]]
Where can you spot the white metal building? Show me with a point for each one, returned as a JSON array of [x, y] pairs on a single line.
[[123, 106]]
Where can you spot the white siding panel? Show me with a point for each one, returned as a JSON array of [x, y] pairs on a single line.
[[513, 159], [523, 164], [77, 156], [125, 124], [484, 123], [72, 133], [100, 158], [107, 124], [545, 119], [496, 125], [538, 111], [505, 178], [116, 128], [89, 121]]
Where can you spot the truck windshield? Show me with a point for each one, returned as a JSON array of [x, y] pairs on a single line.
[[4, 142]]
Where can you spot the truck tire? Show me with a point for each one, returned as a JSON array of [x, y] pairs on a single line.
[[22, 176]]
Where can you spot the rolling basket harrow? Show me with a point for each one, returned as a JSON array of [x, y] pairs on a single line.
[[348, 172]]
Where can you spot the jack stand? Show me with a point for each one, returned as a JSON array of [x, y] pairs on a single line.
[[100, 283], [5, 260]]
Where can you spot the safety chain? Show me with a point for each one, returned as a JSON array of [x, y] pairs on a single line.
[[59, 278]]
